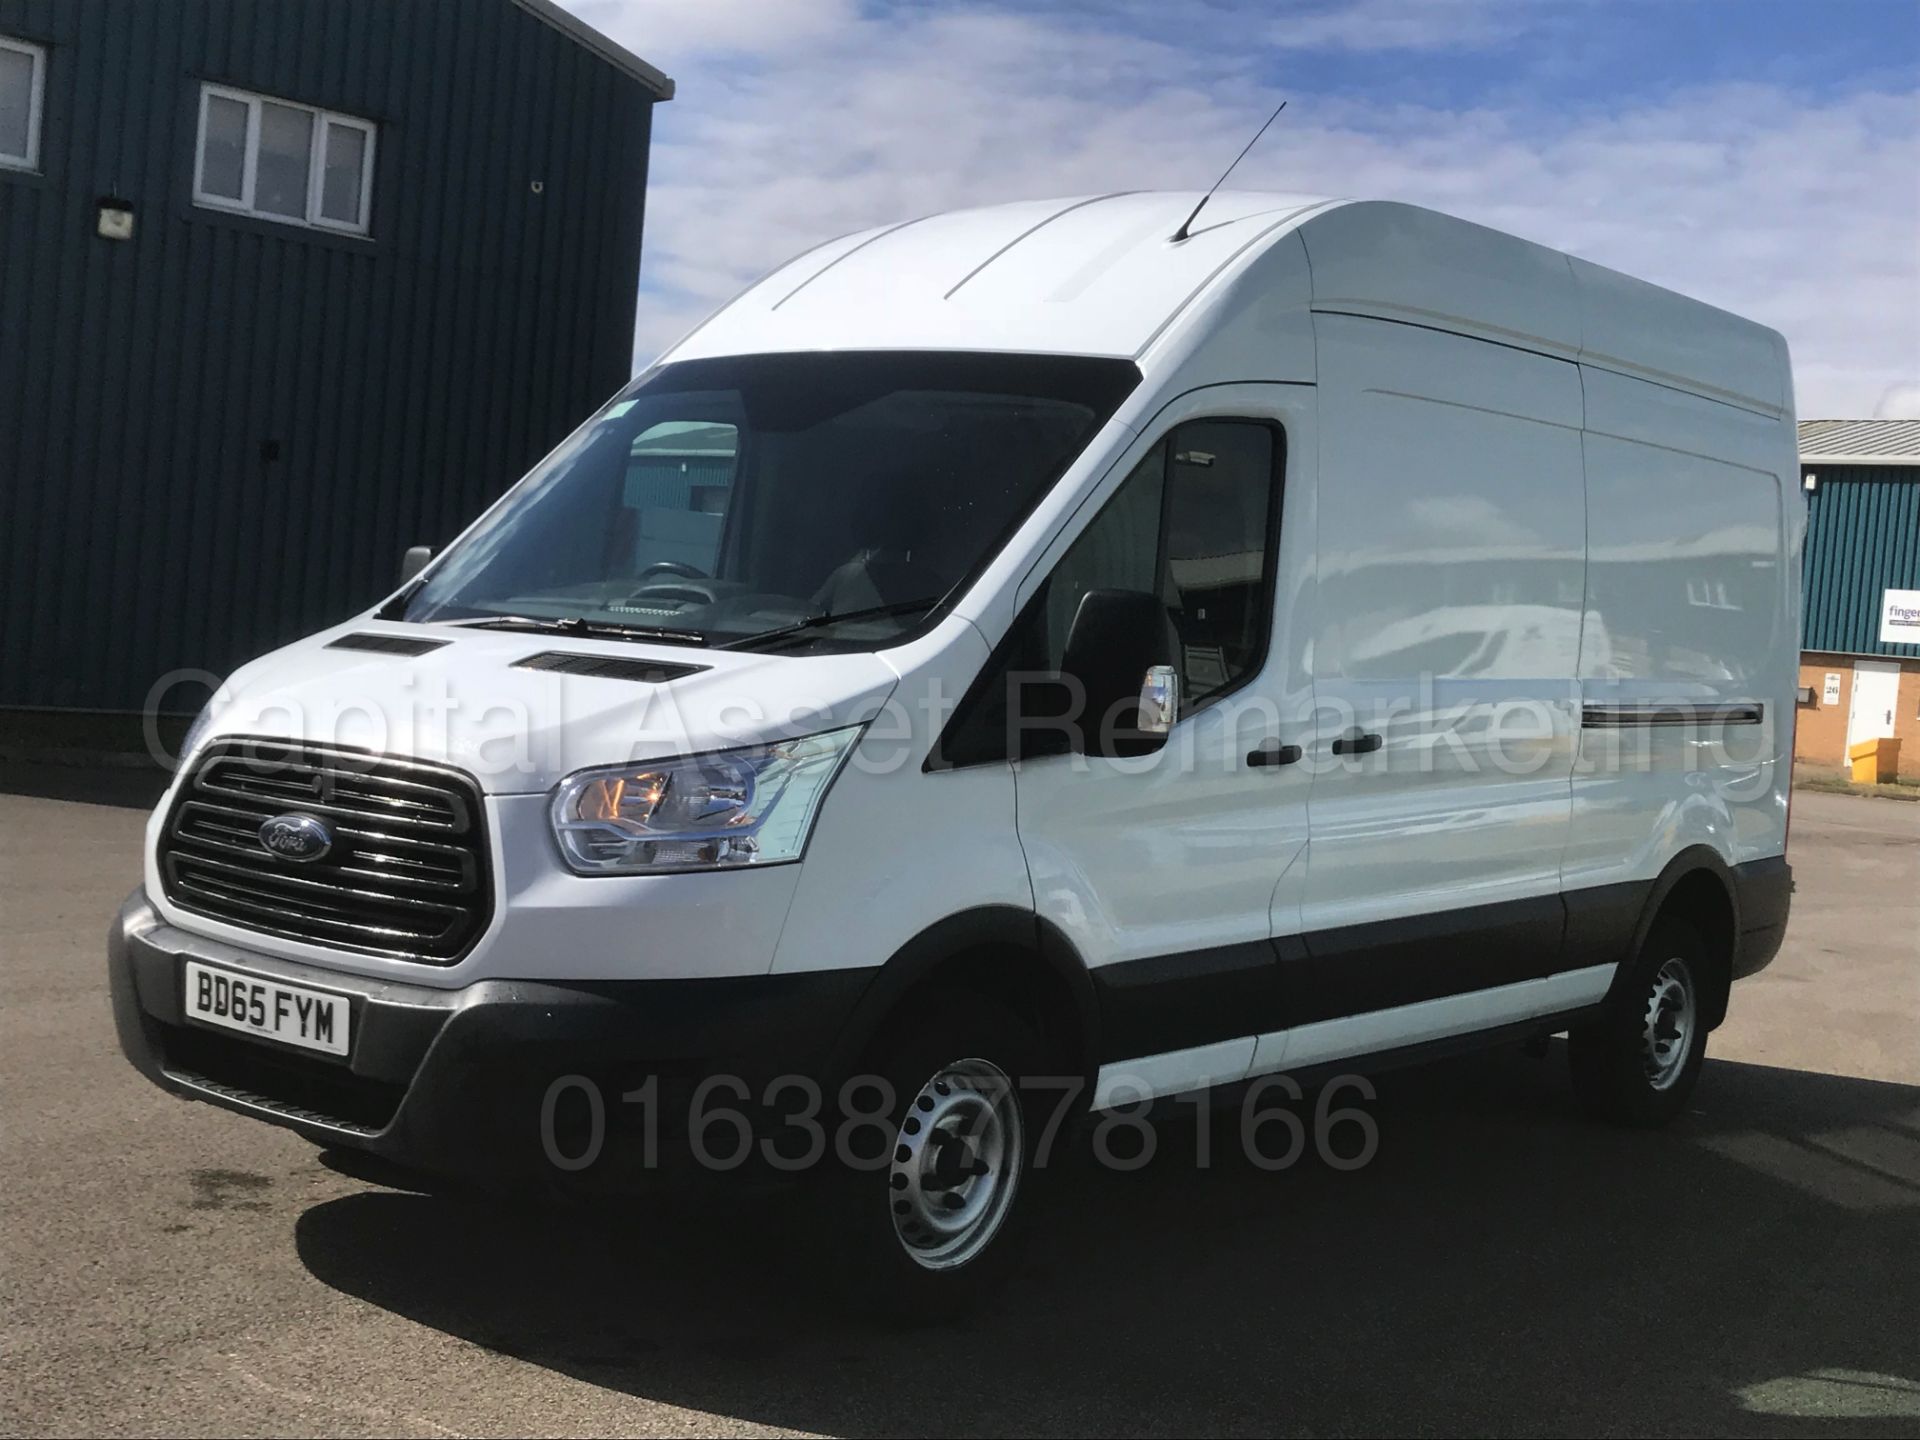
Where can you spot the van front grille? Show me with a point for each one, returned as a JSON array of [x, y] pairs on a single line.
[[405, 875]]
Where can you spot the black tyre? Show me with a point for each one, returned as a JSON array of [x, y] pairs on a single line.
[[930, 1226], [1638, 1066]]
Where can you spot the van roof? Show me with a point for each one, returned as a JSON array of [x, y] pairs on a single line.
[[1101, 275], [1086, 275]]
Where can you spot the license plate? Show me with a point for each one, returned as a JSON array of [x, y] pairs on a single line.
[[291, 1014]]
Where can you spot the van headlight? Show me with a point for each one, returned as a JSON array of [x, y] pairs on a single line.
[[719, 811]]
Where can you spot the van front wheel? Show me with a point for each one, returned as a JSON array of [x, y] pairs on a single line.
[[1638, 1065], [931, 1227]]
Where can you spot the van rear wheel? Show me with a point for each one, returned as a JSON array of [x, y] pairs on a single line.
[[1638, 1065], [931, 1227]]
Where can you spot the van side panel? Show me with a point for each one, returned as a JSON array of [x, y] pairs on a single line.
[[1690, 602], [1451, 551]]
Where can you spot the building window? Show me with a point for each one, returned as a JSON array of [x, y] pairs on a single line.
[[23, 85], [282, 161]]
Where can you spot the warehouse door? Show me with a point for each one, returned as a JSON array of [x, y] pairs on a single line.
[[1876, 693]]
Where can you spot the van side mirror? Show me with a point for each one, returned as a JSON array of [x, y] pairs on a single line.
[[414, 561], [1122, 653]]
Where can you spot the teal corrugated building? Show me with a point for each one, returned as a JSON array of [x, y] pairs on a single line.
[[1860, 674]]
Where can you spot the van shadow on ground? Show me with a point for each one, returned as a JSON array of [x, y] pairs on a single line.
[[1502, 1266]]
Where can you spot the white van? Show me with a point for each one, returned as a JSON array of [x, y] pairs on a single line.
[[1012, 653]]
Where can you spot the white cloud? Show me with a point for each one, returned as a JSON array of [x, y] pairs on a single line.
[[1397, 25], [672, 32], [796, 122], [1901, 402]]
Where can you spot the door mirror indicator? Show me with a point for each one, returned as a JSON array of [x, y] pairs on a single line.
[[1159, 700]]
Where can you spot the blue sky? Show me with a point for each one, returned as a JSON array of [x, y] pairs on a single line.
[[1761, 154]]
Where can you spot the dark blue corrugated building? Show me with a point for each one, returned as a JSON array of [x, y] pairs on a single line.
[[284, 289], [1860, 578]]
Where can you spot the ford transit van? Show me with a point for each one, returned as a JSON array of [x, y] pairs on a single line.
[[1011, 664]]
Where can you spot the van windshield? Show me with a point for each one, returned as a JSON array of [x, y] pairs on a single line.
[[829, 500]]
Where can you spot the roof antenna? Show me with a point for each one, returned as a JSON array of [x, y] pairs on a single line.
[[1182, 232]]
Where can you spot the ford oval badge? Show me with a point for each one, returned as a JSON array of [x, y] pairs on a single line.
[[296, 837]]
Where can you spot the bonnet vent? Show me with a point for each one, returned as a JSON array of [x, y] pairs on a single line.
[[385, 644], [607, 667]]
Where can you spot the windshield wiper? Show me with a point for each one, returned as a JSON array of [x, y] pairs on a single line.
[[579, 625], [816, 622]]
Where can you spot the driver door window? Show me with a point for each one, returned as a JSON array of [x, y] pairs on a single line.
[[1194, 524], [679, 487], [1197, 524]]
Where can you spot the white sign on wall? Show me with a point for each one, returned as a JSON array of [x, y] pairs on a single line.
[[1900, 617], [1832, 693]]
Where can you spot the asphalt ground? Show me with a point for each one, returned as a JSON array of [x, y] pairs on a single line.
[[1502, 1266]]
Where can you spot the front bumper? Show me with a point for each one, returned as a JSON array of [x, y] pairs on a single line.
[[473, 1084]]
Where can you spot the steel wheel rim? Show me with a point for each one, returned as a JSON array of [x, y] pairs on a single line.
[[1666, 1030], [957, 1160]]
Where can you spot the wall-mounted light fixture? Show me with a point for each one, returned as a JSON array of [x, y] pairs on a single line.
[[116, 219]]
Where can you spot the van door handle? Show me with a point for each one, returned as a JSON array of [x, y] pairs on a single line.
[[1357, 744], [1272, 752]]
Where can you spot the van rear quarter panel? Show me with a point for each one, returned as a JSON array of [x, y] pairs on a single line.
[[1692, 590]]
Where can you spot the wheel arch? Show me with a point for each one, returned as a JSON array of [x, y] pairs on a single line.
[[1698, 886], [1004, 951]]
